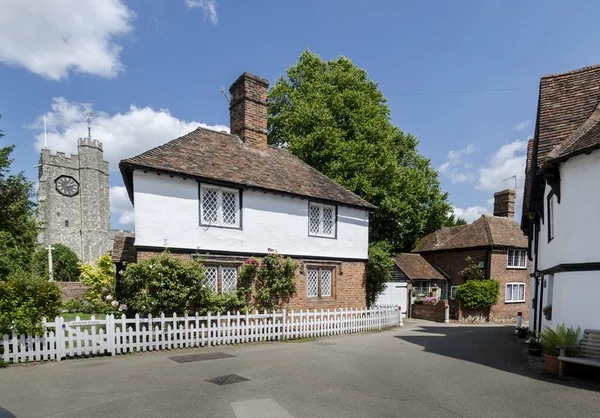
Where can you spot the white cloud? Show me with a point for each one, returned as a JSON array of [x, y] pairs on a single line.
[[120, 204], [522, 125], [455, 164], [472, 213], [209, 7], [122, 134], [51, 38]]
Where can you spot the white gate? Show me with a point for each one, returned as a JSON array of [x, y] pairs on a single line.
[[396, 294]]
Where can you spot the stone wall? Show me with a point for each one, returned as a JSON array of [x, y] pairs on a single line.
[[430, 311], [70, 290], [348, 280]]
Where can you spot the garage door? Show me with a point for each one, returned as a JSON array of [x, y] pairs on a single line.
[[395, 294]]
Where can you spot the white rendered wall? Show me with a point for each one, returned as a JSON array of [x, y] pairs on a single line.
[[575, 300], [168, 208], [576, 218]]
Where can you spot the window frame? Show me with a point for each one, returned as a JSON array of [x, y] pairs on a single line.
[[550, 206], [417, 287], [450, 296], [520, 252], [220, 190], [515, 284], [335, 220], [320, 294], [219, 276]]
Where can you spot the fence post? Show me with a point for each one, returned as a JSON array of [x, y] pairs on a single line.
[[60, 337], [110, 335]]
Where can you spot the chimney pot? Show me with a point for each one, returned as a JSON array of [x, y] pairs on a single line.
[[504, 203], [248, 110]]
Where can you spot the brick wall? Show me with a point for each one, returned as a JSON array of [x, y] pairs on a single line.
[[451, 262], [430, 311], [248, 110], [348, 287], [70, 290], [504, 312]]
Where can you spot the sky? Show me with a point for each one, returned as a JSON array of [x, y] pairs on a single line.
[[461, 75]]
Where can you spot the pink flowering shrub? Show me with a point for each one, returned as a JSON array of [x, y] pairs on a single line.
[[270, 282]]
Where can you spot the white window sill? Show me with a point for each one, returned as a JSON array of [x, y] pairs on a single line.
[[514, 301], [516, 268], [322, 236]]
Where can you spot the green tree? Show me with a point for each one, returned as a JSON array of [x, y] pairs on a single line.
[[332, 116], [379, 270], [453, 220], [65, 264], [18, 229]]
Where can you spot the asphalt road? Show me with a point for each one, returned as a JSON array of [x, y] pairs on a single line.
[[431, 370]]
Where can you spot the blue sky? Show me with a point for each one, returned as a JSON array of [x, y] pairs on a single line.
[[461, 75]]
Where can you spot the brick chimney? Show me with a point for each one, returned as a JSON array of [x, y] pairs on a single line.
[[504, 203], [248, 110]]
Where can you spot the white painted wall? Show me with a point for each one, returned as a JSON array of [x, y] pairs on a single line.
[[576, 218], [168, 208], [575, 300]]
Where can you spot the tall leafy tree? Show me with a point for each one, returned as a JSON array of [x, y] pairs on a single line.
[[333, 117], [18, 230]]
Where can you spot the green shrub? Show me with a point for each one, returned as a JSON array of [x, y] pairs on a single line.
[[24, 300], [165, 284], [561, 336], [65, 264], [379, 270], [100, 279], [477, 294]]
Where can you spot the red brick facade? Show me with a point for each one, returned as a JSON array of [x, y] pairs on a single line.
[[431, 312], [70, 290], [348, 282], [495, 267]]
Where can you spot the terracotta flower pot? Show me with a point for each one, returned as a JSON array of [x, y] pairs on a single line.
[[552, 365]]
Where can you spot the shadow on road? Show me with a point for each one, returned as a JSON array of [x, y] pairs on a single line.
[[491, 346]]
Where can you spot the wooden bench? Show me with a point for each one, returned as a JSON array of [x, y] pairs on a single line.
[[588, 351]]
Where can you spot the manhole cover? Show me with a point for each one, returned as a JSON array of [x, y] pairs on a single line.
[[228, 379], [199, 357]]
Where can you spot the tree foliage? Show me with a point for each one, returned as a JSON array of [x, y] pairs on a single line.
[[379, 270], [18, 230], [24, 300], [472, 271], [65, 264], [333, 117], [453, 220]]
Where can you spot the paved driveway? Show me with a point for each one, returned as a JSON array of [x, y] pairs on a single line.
[[431, 370]]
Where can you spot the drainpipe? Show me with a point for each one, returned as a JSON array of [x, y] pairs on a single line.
[[537, 323]]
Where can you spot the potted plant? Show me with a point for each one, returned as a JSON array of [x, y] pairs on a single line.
[[547, 312], [521, 332], [554, 338], [535, 346]]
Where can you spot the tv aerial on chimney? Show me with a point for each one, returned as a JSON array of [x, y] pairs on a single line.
[[512, 177], [225, 94]]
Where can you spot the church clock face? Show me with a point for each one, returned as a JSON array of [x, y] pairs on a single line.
[[67, 186]]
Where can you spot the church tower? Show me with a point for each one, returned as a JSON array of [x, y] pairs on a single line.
[[73, 200]]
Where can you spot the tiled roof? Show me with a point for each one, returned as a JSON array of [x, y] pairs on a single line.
[[123, 250], [416, 267], [566, 121], [224, 158], [567, 100], [487, 231]]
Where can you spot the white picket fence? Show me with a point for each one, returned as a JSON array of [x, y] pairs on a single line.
[[112, 335]]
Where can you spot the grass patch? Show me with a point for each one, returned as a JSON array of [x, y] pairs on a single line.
[[82, 316]]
